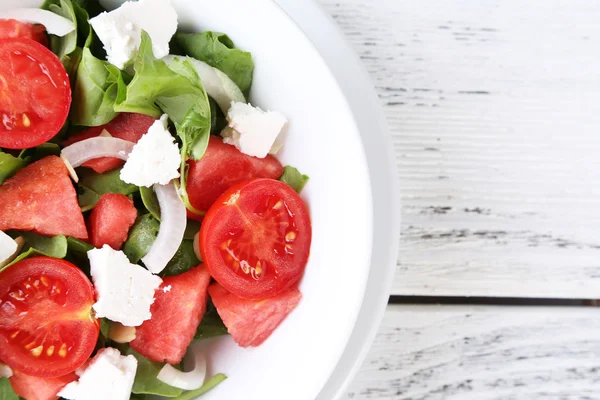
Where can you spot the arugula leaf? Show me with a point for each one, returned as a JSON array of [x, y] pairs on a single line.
[[141, 237], [294, 178], [209, 384], [183, 260], [96, 90], [211, 325], [146, 381], [9, 165], [108, 182], [150, 201], [218, 51], [6, 390], [38, 245]]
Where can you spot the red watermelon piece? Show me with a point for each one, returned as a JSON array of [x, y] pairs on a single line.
[[110, 220], [36, 388], [251, 322], [178, 308], [222, 167], [126, 126], [42, 199]]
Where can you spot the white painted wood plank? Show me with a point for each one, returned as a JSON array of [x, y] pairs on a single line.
[[483, 353], [493, 108]]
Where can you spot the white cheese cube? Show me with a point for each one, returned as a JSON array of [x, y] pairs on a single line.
[[252, 130], [154, 159], [125, 291], [8, 247], [121, 30], [108, 375]]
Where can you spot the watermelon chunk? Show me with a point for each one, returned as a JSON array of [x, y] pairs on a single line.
[[251, 322], [126, 126], [110, 220], [36, 388], [179, 305], [41, 198]]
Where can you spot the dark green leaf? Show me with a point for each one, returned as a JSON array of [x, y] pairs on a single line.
[[191, 229], [217, 118], [9, 165], [87, 198], [146, 381], [108, 182], [209, 384], [141, 237], [211, 325], [183, 260], [217, 50], [294, 178], [38, 245], [104, 327], [150, 201], [78, 246], [6, 391], [39, 152]]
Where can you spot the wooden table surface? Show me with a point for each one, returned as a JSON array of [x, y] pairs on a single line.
[[493, 108]]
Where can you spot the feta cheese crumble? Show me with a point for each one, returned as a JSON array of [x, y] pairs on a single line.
[[125, 291], [8, 247], [121, 29], [154, 159], [252, 130], [108, 375]]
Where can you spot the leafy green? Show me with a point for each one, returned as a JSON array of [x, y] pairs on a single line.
[[218, 50], [63, 46], [211, 325], [87, 198], [183, 260], [150, 201], [141, 237], [39, 152], [78, 246], [96, 89], [209, 384], [192, 227], [9, 165], [294, 178], [104, 327], [108, 182], [146, 381], [38, 245], [6, 390]]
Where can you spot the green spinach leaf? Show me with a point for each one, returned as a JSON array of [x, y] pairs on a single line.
[[87, 198], [141, 237], [65, 45], [38, 245], [104, 327], [191, 229], [294, 178], [6, 390], [39, 152], [9, 165], [209, 384], [150, 201], [183, 260], [211, 325], [78, 246], [146, 381], [108, 182], [218, 50]]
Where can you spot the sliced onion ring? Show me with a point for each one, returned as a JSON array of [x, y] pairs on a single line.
[[54, 23], [173, 220], [18, 241], [195, 362], [88, 149], [5, 371], [70, 168]]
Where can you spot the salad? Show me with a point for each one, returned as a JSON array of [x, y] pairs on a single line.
[[142, 208]]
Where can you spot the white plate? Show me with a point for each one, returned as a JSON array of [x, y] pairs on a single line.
[[337, 137]]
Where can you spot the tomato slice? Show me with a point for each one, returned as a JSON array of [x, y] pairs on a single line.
[[35, 94], [221, 167], [11, 28], [255, 239], [46, 323]]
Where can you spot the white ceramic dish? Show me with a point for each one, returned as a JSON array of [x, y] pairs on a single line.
[[336, 136]]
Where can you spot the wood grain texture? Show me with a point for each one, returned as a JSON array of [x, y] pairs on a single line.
[[493, 107], [483, 353]]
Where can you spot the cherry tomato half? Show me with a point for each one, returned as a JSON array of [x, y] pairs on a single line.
[[46, 324], [35, 94], [255, 239]]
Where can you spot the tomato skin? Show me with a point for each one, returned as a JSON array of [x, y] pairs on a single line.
[[222, 167], [40, 197], [251, 322], [46, 323], [36, 94], [36, 388], [11, 28], [255, 239], [176, 314], [126, 126], [111, 219]]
